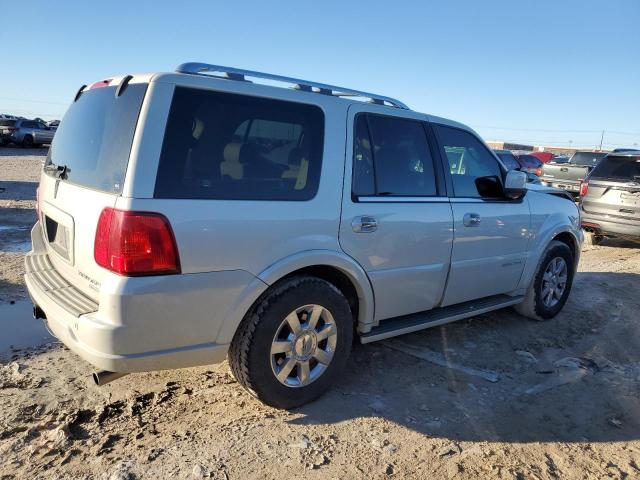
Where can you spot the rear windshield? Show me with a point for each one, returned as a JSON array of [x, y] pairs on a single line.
[[586, 159], [94, 138], [623, 168], [236, 147], [7, 123]]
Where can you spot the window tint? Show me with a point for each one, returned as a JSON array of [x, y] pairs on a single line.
[[468, 159], [623, 168], [401, 159], [29, 124], [7, 123], [236, 147], [363, 175], [94, 138]]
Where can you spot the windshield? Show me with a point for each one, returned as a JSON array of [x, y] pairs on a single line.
[[624, 168], [94, 138], [586, 159]]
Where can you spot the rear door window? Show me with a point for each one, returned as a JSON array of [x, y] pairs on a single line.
[[94, 138], [391, 158], [237, 147]]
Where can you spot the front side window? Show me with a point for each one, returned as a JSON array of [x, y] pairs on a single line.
[[468, 159], [236, 147], [391, 158]]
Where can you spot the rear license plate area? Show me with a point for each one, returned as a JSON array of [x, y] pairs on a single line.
[[58, 237]]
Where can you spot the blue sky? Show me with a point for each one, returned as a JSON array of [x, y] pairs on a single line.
[[543, 72]]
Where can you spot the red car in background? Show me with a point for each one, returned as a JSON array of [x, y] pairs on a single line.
[[544, 157]]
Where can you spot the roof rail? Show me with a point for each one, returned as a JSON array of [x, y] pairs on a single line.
[[232, 73]]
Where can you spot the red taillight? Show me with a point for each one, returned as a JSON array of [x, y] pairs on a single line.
[[135, 243], [584, 188]]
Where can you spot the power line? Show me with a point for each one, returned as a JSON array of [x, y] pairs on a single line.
[[554, 130], [32, 101]]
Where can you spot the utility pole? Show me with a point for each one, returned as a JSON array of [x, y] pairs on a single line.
[[601, 138]]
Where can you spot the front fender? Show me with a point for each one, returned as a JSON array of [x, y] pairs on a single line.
[[330, 258], [543, 232]]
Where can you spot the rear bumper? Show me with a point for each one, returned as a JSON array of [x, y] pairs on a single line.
[[140, 324], [604, 225], [567, 185]]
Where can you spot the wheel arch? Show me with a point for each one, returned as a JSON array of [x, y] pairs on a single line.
[[563, 232], [335, 267]]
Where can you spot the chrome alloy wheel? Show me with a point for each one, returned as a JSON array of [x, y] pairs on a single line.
[[303, 346], [554, 281]]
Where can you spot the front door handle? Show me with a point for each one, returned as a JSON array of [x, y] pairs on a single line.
[[364, 224], [471, 220]]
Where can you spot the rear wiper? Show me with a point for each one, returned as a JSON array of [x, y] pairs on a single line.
[[60, 171]]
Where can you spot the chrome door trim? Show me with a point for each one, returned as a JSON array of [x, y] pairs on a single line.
[[375, 199]]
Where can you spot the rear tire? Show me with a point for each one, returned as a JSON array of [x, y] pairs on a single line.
[[551, 284], [27, 141], [283, 368], [593, 239]]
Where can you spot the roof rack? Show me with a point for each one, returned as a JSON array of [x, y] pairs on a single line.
[[232, 73]]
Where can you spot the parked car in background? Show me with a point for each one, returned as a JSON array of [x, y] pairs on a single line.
[[544, 157], [511, 161], [531, 164], [610, 197], [275, 225], [28, 133], [618, 150], [53, 124], [569, 175]]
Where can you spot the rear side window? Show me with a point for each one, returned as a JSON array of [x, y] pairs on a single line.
[[468, 159], [587, 159], [94, 138], [7, 123], [236, 147], [391, 158], [622, 168]]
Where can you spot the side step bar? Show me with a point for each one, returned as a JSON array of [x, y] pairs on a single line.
[[438, 316]]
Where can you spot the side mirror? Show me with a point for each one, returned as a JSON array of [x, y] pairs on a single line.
[[515, 184]]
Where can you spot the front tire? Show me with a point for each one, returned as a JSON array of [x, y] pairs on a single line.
[[294, 343], [551, 284]]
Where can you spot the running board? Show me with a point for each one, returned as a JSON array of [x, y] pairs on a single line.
[[393, 327]]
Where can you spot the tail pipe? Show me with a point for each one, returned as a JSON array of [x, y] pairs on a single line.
[[103, 377]]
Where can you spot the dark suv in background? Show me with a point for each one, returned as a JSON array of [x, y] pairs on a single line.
[[610, 197]]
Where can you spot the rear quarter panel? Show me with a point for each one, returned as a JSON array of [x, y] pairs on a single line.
[[216, 235]]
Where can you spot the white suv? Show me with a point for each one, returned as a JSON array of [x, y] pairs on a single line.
[[190, 215]]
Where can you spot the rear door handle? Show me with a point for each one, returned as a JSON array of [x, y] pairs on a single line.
[[364, 224], [471, 220]]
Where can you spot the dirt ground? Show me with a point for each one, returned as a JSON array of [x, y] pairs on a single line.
[[494, 397]]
